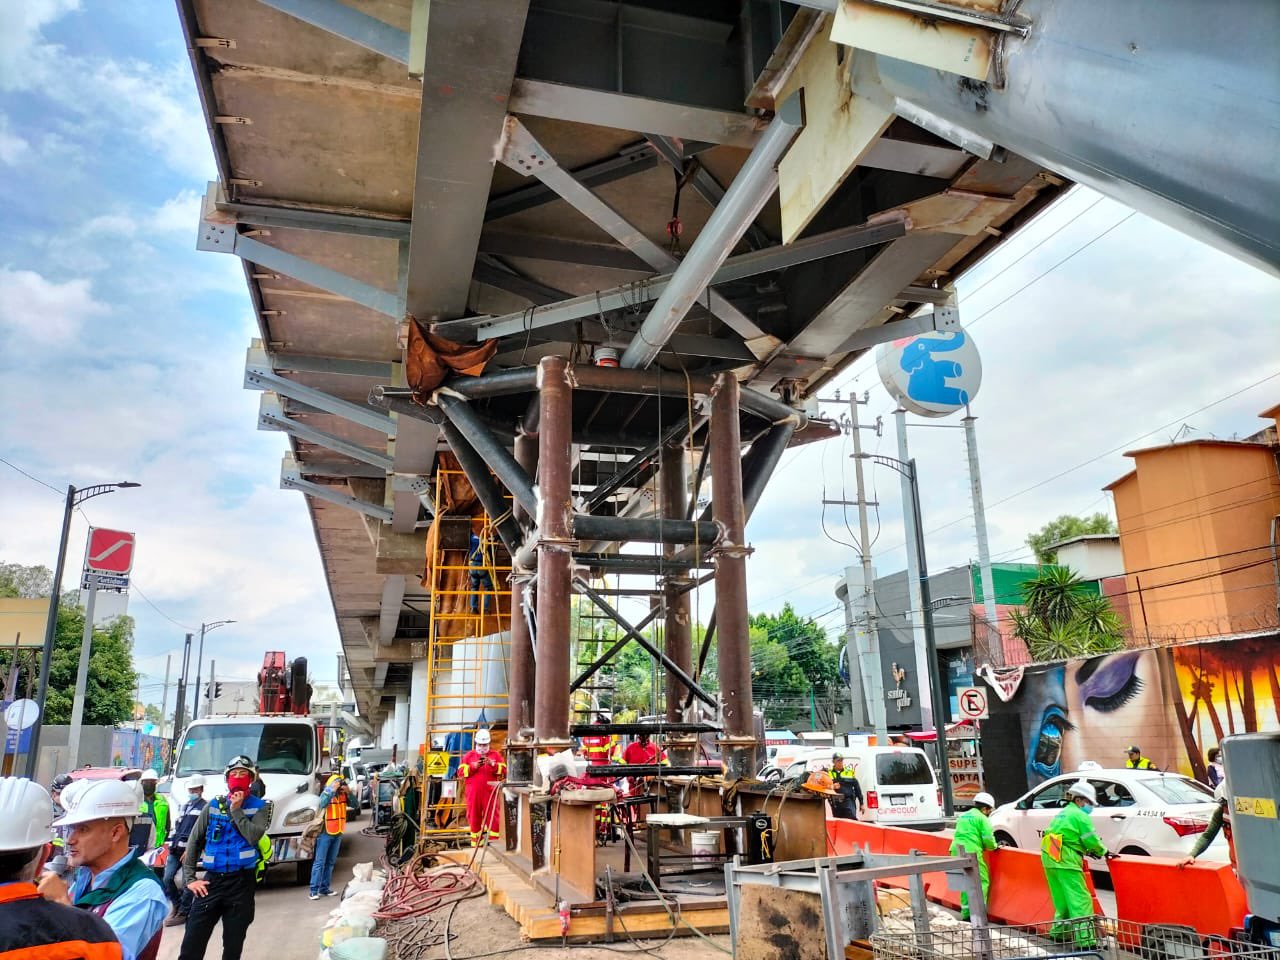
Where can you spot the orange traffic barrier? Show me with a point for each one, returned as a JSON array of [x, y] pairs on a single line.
[[1019, 892], [1205, 896]]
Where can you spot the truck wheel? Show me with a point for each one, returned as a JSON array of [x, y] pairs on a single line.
[[303, 874], [1004, 840]]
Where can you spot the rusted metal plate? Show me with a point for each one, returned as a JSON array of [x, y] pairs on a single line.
[[955, 211], [902, 35], [840, 127]]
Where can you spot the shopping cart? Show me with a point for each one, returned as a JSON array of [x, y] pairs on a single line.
[[1102, 938]]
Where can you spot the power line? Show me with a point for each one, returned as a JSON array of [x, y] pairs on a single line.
[[14, 466]]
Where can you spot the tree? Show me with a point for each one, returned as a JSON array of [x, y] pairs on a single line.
[[152, 714], [793, 665], [1060, 620], [28, 583], [1064, 527], [110, 687]]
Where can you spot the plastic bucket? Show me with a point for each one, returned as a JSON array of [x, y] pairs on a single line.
[[706, 844], [605, 357]]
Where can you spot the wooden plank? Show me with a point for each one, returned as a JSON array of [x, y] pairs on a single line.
[[839, 128]]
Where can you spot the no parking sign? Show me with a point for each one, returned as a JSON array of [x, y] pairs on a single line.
[[973, 704]]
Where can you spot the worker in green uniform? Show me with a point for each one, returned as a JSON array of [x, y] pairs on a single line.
[[973, 835], [1069, 838]]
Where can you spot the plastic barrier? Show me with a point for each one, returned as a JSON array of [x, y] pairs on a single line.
[[1019, 892], [1205, 896]]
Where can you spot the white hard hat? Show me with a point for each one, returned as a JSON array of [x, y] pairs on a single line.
[[26, 810], [195, 781], [482, 736], [149, 774], [1083, 788], [98, 800], [984, 800]]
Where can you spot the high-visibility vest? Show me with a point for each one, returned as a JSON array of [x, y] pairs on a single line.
[[335, 815]]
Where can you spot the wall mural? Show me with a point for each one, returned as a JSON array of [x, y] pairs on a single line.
[[1173, 702]]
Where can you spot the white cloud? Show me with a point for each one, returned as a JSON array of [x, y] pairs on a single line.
[[35, 309], [24, 54], [12, 147], [179, 214]]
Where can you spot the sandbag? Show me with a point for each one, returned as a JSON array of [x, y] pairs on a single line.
[[360, 948]]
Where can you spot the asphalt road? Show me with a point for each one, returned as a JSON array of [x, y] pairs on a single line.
[[287, 924]]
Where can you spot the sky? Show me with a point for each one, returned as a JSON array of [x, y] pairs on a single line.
[[122, 356]]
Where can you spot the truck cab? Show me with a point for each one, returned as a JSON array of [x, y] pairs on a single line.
[[287, 750]]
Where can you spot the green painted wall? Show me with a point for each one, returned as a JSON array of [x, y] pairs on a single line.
[[1008, 578]]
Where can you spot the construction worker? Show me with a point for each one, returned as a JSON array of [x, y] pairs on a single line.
[[224, 841], [1220, 821], [187, 816], [973, 835], [154, 807], [642, 750], [478, 565], [482, 770], [333, 801], [846, 784], [110, 880], [1137, 761], [1069, 837], [596, 748], [60, 783], [30, 925]]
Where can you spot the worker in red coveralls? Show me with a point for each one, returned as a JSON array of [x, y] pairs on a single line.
[[482, 769], [596, 748], [642, 750]]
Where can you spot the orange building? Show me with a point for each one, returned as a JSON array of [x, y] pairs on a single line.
[[1198, 523]]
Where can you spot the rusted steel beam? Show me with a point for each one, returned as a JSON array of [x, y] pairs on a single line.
[[523, 677], [555, 553], [678, 632], [729, 511]]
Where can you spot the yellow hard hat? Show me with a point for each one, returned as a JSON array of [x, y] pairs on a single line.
[[820, 782]]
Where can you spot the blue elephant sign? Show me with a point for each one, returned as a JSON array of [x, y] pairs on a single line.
[[933, 374]]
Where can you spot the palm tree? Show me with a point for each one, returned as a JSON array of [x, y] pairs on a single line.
[[1060, 620]]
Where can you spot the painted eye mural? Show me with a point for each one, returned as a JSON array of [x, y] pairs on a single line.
[[1045, 757]]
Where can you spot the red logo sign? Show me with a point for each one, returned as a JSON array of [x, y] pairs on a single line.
[[109, 552]]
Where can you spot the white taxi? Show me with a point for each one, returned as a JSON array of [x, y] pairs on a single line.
[[1142, 813]]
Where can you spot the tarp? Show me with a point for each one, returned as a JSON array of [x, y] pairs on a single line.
[[431, 359]]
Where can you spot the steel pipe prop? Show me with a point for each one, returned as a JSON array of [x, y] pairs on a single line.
[[678, 630], [629, 563], [552, 514], [730, 513], [588, 527], [499, 459], [764, 456], [631, 729], [672, 434], [490, 494], [657, 383], [583, 587], [746, 196]]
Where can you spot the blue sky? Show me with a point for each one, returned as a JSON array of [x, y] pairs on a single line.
[[122, 351]]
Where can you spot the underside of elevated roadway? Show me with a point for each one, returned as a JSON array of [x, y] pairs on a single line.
[[370, 172]]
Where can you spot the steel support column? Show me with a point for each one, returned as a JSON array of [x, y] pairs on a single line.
[[523, 675], [677, 635], [555, 554], [749, 192], [739, 743]]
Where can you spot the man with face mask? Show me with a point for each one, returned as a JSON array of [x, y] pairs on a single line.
[[482, 769], [224, 841], [1068, 839], [110, 880]]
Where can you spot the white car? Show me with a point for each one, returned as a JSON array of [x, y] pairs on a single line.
[[1139, 813]]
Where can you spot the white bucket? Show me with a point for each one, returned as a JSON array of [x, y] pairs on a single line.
[[706, 844], [605, 357]]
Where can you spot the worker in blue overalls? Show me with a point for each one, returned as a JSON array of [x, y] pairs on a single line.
[[224, 841]]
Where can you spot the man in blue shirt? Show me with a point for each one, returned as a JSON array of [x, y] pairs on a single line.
[[110, 880], [224, 842], [181, 899]]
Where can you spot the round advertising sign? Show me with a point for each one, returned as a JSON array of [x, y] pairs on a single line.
[[932, 374]]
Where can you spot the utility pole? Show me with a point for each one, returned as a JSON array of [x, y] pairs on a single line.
[[82, 679], [204, 628], [862, 647], [213, 685], [916, 604], [164, 694], [179, 711], [980, 522]]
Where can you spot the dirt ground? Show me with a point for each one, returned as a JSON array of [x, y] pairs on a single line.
[[481, 929]]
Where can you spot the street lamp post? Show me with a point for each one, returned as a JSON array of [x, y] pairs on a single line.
[[936, 698], [74, 499], [204, 628]]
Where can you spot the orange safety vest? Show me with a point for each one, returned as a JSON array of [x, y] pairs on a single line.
[[335, 815]]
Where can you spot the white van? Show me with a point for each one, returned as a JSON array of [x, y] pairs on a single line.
[[899, 786]]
